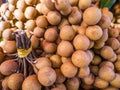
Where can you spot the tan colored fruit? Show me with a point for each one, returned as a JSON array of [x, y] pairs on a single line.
[[72, 83], [106, 73], [15, 81], [47, 76], [65, 48], [108, 64], [84, 4], [94, 32], [41, 21], [113, 32], [4, 83], [42, 62], [39, 32], [30, 24], [59, 87], [107, 52], [104, 22], [56, 61], [92, 15], [81, 30], [81, 58], [116, 81], [83, 72], [31, 83], [94, 70], [60, 77], [67, 33], [51, 34], [68, 69], [96, 60], [34, 41], [100, 83], [111, 88], [117, 65], [19, 15], [8, 67]]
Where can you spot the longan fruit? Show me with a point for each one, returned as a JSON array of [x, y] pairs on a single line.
[[96, 60], [67, 33], [94, 70], [65, 48], [92, 15], [83, 72], [39, 32], [81, 42], [104, 22], [89, 80], [56, 61], [41, 21], [68, 69], [117, 65], [72, 83], [60, 77], [106, 73], [31, 83], [19, 15], [47, 76], [116, 81], [30, 25], [34, 41], [107, 63], [81, 30], [73, 2], [100, 83], [113, 32], [15, 81], [53, 17], [84, 4], [8, 67], [51, 34], [81, 58], [107, 52], [111, 88], [94, 32], [59, 87], [42, 61]]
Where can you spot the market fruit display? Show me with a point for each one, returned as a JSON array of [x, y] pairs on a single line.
[[58, 45]]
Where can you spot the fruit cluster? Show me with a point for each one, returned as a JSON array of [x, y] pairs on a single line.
[[70, 45]]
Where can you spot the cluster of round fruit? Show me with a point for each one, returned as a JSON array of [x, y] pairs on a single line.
[[76, 47]]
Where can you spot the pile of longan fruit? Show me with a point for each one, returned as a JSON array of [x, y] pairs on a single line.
[[76, 46]]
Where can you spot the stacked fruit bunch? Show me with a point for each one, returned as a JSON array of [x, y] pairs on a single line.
[[58, 45]]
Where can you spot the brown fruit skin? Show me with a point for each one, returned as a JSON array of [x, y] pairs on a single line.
[[105, 22], [107, 63], [41, 21], [94, 70], [15, 81], [68, 69], [113, 32], [75, 16], [92, 15], [19, 15], [4, 83], [89, 80], [114, 43], [30, 25], [84, 4], [96, 60], [116, 81], [39, 32], [54, 17], [81, 42], [111, 88], [60, 77], [80, 58], [107, 52], [83, 72], [49, 47], [100, 83], [8, 67], [56, 61], [94, 32], [72, 83], [47, 76], [31, 83], [42, 62], [7, 34], [51, 34], [59, 87], [65, 49], [67, 33], [106, 73], [117, 65], [34, 41], [10, 46]]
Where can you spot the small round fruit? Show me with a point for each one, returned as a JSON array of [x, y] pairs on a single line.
[[92, 15], [94, 32], [15, 81], [46, 76], [68, 69], [38, 32], [31, 83], [81, 58], [81, 42], [67, 33], [83, 4], [106, 73], [65, 49], [8, 67]]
